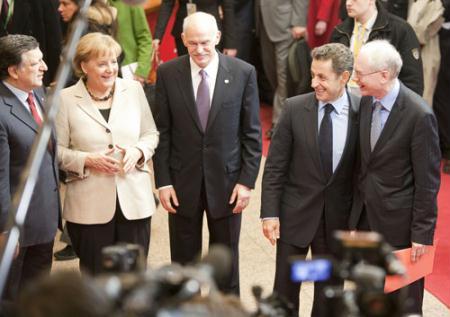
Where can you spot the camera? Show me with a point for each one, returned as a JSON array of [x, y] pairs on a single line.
[[137, 292], [364, 259]]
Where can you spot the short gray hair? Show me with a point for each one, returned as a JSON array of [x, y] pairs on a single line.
[[340, 55], [204, 18], [382, 55]]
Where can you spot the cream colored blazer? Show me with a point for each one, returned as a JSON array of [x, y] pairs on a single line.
[[81, 129]]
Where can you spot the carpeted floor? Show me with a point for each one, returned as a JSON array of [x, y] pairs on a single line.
[[438, 283]]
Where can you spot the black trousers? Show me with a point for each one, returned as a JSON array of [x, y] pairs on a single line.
[[186, 240], [89, 240], [413, 292], [291, 290], [32, 262]]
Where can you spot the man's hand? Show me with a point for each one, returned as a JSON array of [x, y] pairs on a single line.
[[3, 237], [320, 28], [298, 32], [166, 197], [240, 194], [230, 52], [417, 250], [271, 229], [140, 79], [155, 44]]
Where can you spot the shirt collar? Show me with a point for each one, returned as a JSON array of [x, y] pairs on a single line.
[[209, 69], [338, 104], [389, 100], [369, 24], [19, 93]]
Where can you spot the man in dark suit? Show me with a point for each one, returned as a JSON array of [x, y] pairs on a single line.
[[39, 19], [21, 72], [210, 143], [307, 184], [399, 177]]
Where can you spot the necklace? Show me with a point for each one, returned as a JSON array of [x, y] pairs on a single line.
[[109, 96]]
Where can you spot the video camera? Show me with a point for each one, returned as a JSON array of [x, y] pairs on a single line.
[[137, 292], [364, 259]]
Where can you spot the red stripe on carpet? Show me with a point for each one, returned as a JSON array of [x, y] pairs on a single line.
[[266, 123], [437, 283]]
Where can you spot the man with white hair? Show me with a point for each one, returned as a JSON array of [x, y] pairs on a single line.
[[210, 143], [399, 174]]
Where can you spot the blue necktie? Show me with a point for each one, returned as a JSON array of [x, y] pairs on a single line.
[[203, 99], [326, 141]]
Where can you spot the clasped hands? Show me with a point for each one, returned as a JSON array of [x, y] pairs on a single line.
[[240, 196], [106, 163]]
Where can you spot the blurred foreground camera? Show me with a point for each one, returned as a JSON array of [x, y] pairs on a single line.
[[364, 259]]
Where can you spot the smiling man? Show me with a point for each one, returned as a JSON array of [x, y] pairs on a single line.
[[307, 184], [21, 73], [209, 151], [399, 175]]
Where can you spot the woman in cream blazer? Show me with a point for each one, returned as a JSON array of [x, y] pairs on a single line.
[[106, 135]]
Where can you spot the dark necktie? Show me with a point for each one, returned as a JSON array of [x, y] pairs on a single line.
[[4, 13], [33, 109], [376, 128], [326, 141], [202, 100]]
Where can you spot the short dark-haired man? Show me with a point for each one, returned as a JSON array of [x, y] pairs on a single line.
[[21, 113], [367, 21], [307, 184]]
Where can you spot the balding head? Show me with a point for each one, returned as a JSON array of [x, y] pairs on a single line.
[[200, 36]]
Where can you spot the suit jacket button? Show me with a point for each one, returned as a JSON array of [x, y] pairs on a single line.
[[110, 146], [108, 130]]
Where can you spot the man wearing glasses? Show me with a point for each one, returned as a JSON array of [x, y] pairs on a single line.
[[399, 175]]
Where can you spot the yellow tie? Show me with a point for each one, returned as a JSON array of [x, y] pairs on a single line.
[[358, 40], [358, 33]]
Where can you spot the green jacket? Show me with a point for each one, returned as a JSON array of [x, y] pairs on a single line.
[[134, 36]]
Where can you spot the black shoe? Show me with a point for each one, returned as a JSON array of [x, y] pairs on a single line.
[[65, 254]]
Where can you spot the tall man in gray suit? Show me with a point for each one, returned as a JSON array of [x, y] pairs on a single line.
[[210, 143], [21, 113], [278, 24], [399, 177], [308, 177]]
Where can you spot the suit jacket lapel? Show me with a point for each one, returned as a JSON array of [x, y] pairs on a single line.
[[392, 121], [185, 85], [366, 123], [118, 100], [223, 80], [18, 110], [85, 103], [311, 132], [352, 120]]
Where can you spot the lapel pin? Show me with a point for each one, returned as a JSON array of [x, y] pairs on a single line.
[[226, 81]]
